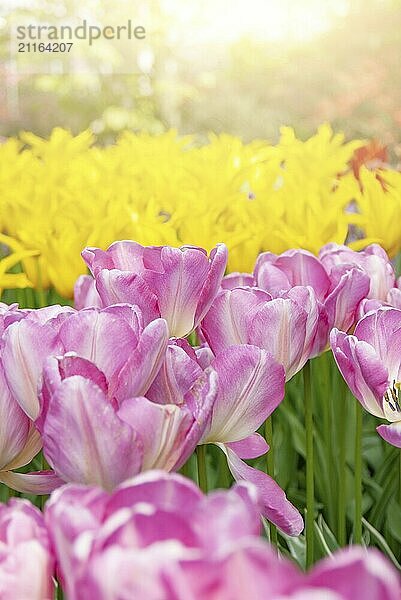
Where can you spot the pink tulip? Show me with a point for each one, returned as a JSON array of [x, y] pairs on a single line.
[[279, 273], [357, 572], [92, 436], [393, 299], [27, 342], [370, 362], [373, 260], [177, 284], [112, 546], [351, 574], [9, 314], [115, 339], [234, 280], [394, 295], [19, 443], [288, 327], [85, 293], [250, 387], [367, 306], [339, 286], [158, 537], [26, 562]]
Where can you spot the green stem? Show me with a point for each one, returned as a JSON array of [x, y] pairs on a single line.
[[202, 471], [223, 479], [20, 294], [341, 439], [185, 470], [270, 468], [399, 480], [310, 484], [30, 298], [6, 493], [358, 474], [325, 386], [41, 296], [20, 298]]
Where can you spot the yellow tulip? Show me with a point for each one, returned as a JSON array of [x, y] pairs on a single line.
[[13, 280], [61, 194]]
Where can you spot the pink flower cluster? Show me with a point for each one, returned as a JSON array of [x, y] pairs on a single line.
[[158, 537], [339, 291], [109, 393], [112, 390]]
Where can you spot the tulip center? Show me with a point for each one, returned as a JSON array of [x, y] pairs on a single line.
[[392, 396]]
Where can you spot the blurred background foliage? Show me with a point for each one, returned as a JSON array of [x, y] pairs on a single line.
[[245, 68]]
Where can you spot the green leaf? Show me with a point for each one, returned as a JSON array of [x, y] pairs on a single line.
[[381, 542], [394, 519]]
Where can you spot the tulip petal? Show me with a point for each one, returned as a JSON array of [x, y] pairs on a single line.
[[200, 400], [342, 303], [317, 325], [276, 507], [14, 424], [163, 427], [84, 440], [116, 287], [234, 280], [144, 362], [391, 433], [394, 297], [226, 323], [177, 375], [97, 259], [362, 369], [251, 386], [33, 444], [71, 364], [179, 286], [52, 315], [130, 313], [373, 260], [292, 268], [85, 293], [271, 278], [252, 446], [280, 326], [99, 337], [210, 288], [27, 344], [356, 573], [204, 356], [382, 329], [161, 489], [40, 482], [128, 255]]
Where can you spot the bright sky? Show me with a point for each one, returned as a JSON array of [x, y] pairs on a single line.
[[273, 20], [203, 21]]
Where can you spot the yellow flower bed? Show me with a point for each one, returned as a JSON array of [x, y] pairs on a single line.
[[61, 194]]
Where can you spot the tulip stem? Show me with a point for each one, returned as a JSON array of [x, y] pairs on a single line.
[[327, 405], [270, 468], [399, 481], [310, 484], [202, 471], [41, 296], [342, 492], [358, 474], [224, 479]]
